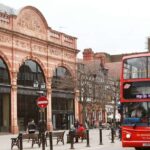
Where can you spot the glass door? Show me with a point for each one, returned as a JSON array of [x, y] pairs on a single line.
[[27, 110], [4, 112]]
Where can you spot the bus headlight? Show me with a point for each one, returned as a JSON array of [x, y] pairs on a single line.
[[128, 135]]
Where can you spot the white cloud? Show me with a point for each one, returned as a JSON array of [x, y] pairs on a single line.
[[112, 26]]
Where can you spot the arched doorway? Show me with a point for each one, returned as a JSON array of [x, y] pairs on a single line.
[[4, 97], [29, 74], [62, 99]]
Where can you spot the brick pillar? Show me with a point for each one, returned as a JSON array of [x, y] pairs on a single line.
[[76, 104], [49, 106], [14, 118]]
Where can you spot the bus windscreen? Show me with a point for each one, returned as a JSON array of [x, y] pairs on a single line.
[[136, 113]]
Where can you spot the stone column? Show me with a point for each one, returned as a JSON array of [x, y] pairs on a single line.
[[49, 106], [76, 104], [14, 119]]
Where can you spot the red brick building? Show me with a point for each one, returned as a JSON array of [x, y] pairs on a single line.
[[112, 63]]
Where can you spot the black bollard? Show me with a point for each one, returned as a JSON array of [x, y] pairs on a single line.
[[112, 135], [100, 136], [120, 134], [87, 136], [72, 139], [42, 128], [43, 141], [50, 140], [20, 141]]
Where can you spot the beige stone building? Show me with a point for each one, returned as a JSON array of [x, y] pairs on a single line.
[[31, 51]]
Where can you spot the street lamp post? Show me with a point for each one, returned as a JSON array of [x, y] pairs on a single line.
[[41, 103]]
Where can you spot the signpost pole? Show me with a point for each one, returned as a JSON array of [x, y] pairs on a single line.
[[43, 129], [42, 102]]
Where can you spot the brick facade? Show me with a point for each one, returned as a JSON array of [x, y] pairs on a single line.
[[26, 35]]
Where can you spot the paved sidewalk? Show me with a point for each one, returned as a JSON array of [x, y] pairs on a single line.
[[5, 143]]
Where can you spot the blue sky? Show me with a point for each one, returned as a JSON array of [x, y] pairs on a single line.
[[111, 26]]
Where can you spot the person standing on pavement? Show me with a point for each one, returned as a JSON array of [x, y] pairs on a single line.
[[81, 131], [76, 124], [31, 127], [81, 128]]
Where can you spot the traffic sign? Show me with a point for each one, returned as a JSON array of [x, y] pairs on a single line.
[[42, 102]]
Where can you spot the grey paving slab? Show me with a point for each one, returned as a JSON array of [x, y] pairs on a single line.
[[5, 143]]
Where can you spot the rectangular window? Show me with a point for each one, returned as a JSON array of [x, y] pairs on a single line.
[[136, 90], [135, 68]]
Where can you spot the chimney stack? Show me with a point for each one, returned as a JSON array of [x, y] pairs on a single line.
[[88, 54]]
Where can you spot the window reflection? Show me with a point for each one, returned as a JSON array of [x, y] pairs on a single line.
[[136, 68], [65, 104], [62, 79], [138, 113], [136, 90], [4, 73], [29, 72]]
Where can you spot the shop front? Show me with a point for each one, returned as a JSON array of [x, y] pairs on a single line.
[[62, 99], [63, 110], [29, 73]]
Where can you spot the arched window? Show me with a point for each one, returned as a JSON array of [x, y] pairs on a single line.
[[4, 73], [62, 79], [30, 72]]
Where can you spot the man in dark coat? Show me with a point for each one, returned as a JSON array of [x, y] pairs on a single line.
[[31, 127]]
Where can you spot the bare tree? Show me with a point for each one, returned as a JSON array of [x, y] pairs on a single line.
[[92, 78], [63, 83], [97, 88]]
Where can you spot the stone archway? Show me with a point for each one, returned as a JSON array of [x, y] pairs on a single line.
[[29, 73], [4, 97]]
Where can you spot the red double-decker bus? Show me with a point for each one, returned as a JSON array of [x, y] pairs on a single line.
[[135, 101]]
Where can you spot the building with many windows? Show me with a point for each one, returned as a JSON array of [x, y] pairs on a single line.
[[32, 53]]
